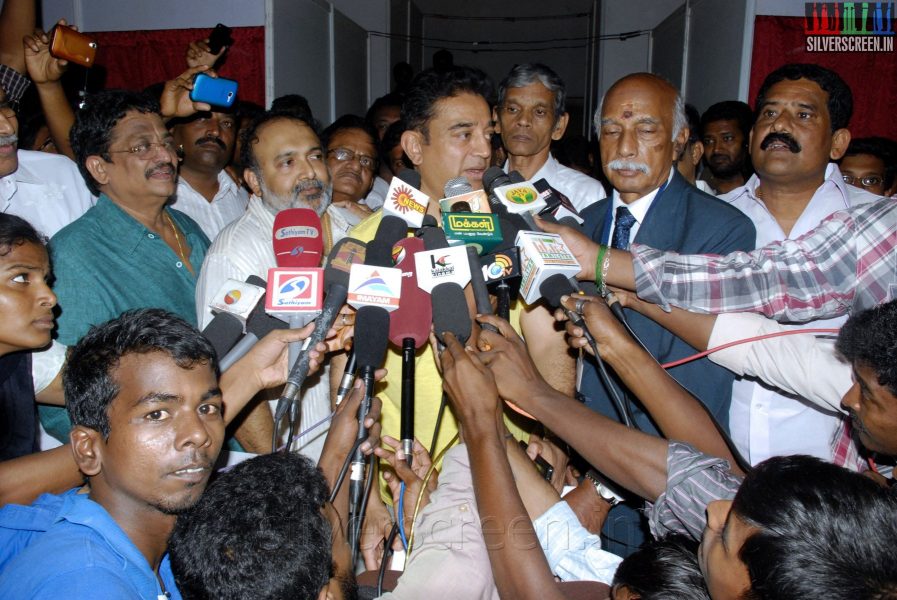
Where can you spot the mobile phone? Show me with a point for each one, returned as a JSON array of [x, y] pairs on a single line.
[[73, 46], [543, 466], [214, 90], [219, 38]]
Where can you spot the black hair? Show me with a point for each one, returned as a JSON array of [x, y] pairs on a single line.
[[822, 532], [297, 106], [391, 139], [249, 136], [349, 122], [258, 531], [92, 132], [840, 98], [15, 231], [665, 569], [391, 99], [432, 85], [869, 338], [879, 147], [693, 118], [729, 110], [89, 382]]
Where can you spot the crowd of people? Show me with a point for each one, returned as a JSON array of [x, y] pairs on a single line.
[[710, 412]]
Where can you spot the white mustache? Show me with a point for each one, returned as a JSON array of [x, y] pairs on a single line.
[[627, 165], [8, 139]]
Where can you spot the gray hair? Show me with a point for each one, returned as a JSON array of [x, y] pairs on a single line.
[[529, 73], [680, 120]]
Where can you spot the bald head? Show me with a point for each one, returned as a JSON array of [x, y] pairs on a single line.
[[642, 128]]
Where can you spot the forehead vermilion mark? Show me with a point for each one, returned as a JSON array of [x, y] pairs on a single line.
[[627, 114]]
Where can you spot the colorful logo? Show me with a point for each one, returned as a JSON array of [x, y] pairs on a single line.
[[521, 195], [350, 253], [403, 201], [501, 267], [295, 288], [470, 222], [232, 297], [375, 284], [849, 26], [398, 255]]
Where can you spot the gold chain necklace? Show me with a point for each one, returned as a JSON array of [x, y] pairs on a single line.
[[177, 239]]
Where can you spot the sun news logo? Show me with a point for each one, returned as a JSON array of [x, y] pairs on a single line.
[[849, 26]]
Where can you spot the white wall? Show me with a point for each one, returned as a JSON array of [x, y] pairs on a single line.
[[716, 52]]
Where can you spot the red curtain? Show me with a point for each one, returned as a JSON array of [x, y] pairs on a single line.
[[872, 76], [136, 59]]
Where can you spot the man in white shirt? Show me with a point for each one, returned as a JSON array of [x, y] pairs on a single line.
[[530, 114], [206, 193], [285, 168], [803, 112], [44, 189]]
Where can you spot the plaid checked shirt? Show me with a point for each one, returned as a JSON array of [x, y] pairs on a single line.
[[846, 264]]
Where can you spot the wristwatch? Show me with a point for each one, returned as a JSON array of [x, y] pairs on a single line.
[[602, 488]]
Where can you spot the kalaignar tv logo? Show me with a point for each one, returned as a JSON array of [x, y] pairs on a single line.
[[849, 26]]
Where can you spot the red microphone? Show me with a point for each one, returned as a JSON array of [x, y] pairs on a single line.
[[297, 238]]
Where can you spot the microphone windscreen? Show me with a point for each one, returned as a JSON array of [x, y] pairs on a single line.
[[391, 230], [259, 322], [433, 238], [450, 312], [429, 221], [224, 331], [494, 177], [516, 177], [457, 186], [410, 176], [371, 335], [554, 287], [414, 315], [344, 254], [298, 242]]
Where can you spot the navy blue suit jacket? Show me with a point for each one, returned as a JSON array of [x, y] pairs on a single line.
[[686, 220]]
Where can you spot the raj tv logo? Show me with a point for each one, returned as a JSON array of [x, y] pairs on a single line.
[[849, 26]]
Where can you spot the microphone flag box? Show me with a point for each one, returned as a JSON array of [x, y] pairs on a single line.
[[370, 285], [480, 230], [475, 201], [541, 256], [237, 298], [292, 291], [406, 202], [501, 266], [520, 198], [444, 265]]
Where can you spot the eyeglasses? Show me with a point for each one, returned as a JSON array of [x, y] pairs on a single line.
[[870, 181], [145, 149], [344, 155]]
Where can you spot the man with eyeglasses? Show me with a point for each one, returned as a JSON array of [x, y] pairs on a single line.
[[871, 164], [802, 114], [44, 189], [351, 151], [129, 250]]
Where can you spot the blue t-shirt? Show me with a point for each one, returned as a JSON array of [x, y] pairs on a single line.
[[68, 546]]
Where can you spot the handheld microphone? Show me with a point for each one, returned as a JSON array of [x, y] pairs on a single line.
[[557, 205], [541, 256], [450, 313], [409, 326], [557, 285], [499, 268], [223, 331], [297, 238], [258, 325], [458, 191], [232, 304], [444, 272], [336, 280], [405, 200], [348, 380], [478, 284]]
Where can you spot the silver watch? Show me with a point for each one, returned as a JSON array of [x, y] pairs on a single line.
[[602, 488]]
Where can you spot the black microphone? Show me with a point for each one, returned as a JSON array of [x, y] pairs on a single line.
[[348, 380], [223, 331], [336, 282], [478, 285], [258, 325], [450, 312], [559, 285]]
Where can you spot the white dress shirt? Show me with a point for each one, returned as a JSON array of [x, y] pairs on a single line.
[[638, 208], [241, 249], [46, 190], [227, 205], [763, 422], [377, 196], [581, 189]]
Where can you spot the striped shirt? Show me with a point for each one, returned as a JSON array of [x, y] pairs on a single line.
[[848, 263], [694, 480]]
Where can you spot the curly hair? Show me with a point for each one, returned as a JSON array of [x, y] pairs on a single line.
[[869, 338]]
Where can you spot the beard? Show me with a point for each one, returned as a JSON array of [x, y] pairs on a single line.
[[316, 201], [727, 169]]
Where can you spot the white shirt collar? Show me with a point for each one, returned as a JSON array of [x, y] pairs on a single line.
[[639, 208]]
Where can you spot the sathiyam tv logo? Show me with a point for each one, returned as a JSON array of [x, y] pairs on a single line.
[[849, 26], [295, 290]]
